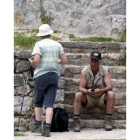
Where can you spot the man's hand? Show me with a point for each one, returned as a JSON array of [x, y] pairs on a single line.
[[97, 91], [89, 92]]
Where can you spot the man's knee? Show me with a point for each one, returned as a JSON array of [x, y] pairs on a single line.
[[78, 96], [110, 95]]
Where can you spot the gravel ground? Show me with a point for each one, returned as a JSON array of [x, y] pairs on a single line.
[[85, 134]]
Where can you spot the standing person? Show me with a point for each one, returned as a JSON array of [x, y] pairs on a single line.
[[46, 55], [95, 89]]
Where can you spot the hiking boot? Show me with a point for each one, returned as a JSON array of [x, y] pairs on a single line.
[[76, 124], [46, 130], [108, 123], [36, 127]]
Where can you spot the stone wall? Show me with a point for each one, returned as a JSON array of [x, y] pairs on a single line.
[[78, 56], [106, 18]]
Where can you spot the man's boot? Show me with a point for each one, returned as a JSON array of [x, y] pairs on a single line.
[[108, 123], [76, 124], [46, 130], [36, 127]]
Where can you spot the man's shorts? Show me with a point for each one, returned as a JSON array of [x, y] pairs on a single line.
[[45, 88], [93, 101]]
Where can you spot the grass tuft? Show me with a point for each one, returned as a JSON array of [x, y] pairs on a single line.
[[57, 31], [122, 59], [27, 43], [24, 42], [96, 39], [16, 134], [71, 36]]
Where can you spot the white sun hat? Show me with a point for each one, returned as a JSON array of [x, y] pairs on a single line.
[[44, 30]]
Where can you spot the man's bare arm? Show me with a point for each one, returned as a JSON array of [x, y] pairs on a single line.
[[108, 84], [82, 85]]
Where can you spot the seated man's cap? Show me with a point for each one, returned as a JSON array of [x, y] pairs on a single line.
[[95, 55]]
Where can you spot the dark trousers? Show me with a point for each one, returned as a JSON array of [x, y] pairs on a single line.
[[45, 88]]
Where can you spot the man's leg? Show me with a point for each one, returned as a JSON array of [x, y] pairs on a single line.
[[110, 102], [79, 100]]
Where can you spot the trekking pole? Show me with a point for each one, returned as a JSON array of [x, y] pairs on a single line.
[[17, 129]]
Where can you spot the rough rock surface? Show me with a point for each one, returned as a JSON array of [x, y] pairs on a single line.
[[106, 18]]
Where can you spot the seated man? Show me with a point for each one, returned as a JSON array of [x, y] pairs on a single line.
[[95, 89]]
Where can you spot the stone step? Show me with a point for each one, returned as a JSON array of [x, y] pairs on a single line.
[[85, 123], [87, 47], [121, 124], [110, 59], [119, 85], [97, 113], [82, 59], [116, 72], [120, 98]]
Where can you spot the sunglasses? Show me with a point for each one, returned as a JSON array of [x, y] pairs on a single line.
[[94, 60]]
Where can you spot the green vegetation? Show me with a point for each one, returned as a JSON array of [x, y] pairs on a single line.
[[34, 31], [27, 39], [98, 39], [45, 19], [18, 134], [24, 42], [71, 36], [56, 31], [122, 59], [55, 38], [123, 39]]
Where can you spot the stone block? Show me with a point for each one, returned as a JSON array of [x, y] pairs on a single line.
[[27, 105], [25, 54], [61, 83], [21, 90], [121, 109], [17, 104], [23, 124], [59, 96], [18, 80], [120, 124], [22, 66]]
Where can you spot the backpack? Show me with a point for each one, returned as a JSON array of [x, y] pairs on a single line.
[[60, 120]]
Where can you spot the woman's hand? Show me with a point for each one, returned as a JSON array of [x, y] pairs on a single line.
[[31, 61]]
